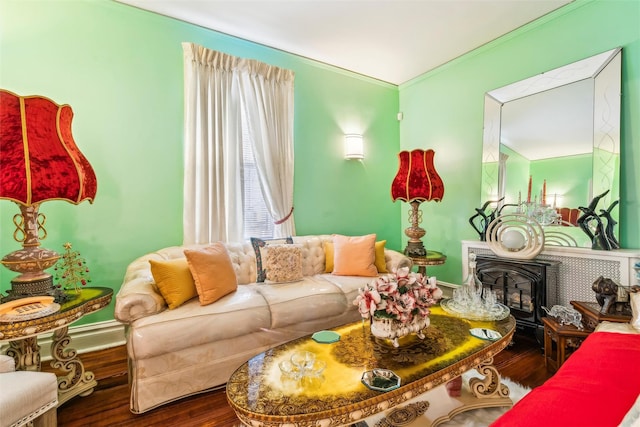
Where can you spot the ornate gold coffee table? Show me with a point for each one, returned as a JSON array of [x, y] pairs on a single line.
[[262, 397]]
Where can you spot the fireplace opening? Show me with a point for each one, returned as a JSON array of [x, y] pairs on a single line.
[[522, 285]]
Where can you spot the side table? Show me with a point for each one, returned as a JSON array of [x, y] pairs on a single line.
[[432, 258], [22, 337], [560, 341], [591, 315]]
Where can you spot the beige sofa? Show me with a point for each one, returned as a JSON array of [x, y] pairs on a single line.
[[193, 348]]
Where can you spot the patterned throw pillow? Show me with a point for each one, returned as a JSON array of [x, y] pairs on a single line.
[[283, 263], [259, 246]]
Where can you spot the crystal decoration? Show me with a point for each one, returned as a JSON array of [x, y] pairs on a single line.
[[473, 301]]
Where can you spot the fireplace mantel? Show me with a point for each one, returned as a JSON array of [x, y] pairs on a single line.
[[579, 267]]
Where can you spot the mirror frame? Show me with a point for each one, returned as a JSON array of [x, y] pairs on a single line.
[[604, 70]]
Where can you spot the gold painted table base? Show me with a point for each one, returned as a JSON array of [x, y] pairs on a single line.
[[436, 406], [74, 381]]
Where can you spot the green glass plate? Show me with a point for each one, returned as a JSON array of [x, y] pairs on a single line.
[[326, 337]]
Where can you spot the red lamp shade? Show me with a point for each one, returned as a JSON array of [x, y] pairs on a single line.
[[417, 179], [39, 159]]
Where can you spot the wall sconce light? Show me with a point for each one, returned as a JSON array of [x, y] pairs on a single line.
[[353, 146]]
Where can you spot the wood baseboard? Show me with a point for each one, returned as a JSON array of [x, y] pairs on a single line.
[[85, 338]]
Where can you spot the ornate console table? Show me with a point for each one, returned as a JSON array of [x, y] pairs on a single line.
[[22, 337]]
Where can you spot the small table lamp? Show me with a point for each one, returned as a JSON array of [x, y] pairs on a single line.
[[416, 181], [39, 162]]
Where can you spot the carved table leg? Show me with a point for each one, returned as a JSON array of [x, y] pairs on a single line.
[[26, 353], [76, 382], [490, 385]]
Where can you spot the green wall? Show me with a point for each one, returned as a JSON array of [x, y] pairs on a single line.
[[120, 68], [568, 176], [443, 110]]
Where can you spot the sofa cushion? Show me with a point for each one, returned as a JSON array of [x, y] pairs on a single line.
[[309, 299], [259, 246], [239, 313], [212, 272], [174, 281], [283, 263], [349, 285], [354, 255]]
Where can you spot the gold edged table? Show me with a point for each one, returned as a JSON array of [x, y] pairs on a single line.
[[22, 337], [431, 258], [262, 397]]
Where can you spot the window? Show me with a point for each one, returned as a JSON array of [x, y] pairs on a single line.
[[257, 221]]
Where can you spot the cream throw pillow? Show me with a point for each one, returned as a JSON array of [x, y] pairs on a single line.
[[283, 263], [212, 272], [174, 281], [354, 256]]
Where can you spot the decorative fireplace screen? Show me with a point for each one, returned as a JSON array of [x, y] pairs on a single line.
[[522, 285]]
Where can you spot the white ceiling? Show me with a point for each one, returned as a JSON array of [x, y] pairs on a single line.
[[389, 40]]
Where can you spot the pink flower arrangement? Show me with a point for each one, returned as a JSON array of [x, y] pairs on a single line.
[[400, 296]]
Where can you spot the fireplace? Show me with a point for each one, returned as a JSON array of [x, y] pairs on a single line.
[[522, 285]]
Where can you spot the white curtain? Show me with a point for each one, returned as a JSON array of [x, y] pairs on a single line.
[[267, 95], [215, 87], [212, 148]]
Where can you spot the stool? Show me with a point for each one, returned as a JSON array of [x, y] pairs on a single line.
[[559, 342], [27, 396]]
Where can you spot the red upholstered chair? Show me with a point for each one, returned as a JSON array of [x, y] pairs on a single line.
[[569, 215]]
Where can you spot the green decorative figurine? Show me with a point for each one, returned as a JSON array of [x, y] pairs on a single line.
[[71, 271]]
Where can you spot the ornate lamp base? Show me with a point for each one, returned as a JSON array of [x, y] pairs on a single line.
[[31, 260], [415, 247]]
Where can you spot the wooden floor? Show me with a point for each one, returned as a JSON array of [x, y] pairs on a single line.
[[108, 405]]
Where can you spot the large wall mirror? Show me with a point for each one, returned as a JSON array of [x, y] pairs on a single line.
[[555, 138]]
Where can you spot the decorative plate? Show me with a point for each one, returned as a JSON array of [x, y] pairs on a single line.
[[485, 334], [381, 380], [326, 337], [27, 308]]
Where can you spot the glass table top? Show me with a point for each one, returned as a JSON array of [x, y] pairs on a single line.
[[85, 301], [261, 390]]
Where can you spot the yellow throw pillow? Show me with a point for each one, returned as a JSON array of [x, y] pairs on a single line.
[[328, 256], [380, 262], [354, 256], [174, 281], [212, 272]]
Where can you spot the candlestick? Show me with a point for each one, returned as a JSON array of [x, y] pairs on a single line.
[[529, 191], [544, 192]]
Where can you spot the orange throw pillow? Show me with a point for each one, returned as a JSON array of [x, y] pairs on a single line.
[[380, 262], [354, 256], [212, 272]]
